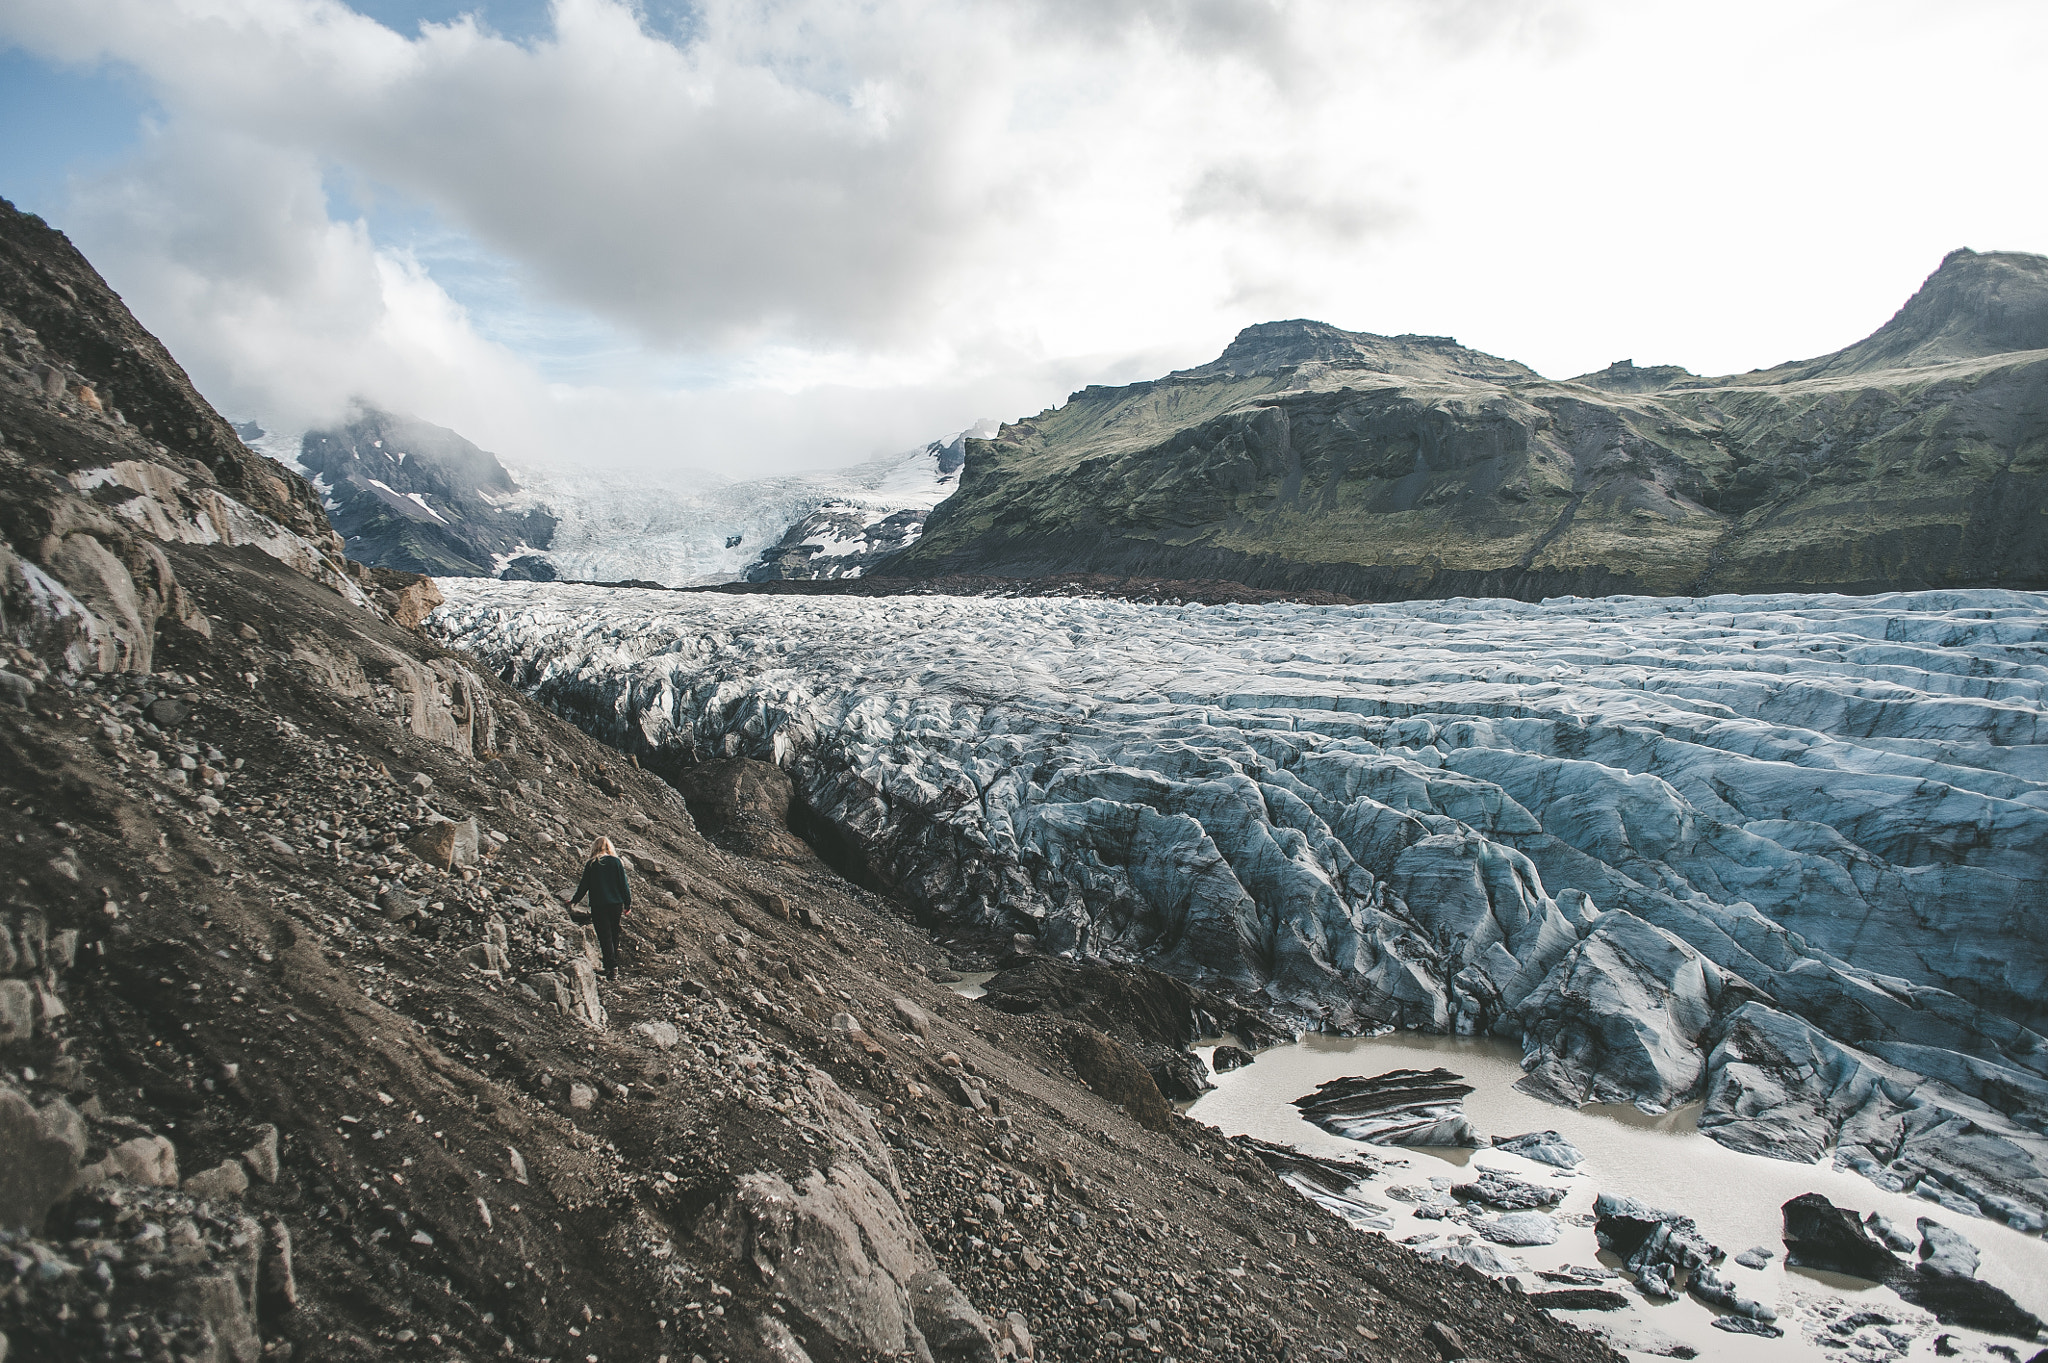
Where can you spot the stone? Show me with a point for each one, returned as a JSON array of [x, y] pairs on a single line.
[[1520, 1228], [1818, 1234], [148, 1160], [582, 1097], [277, 1286], [167, 712], [226, 1180], [516, 1162], [952, 1329], [584, 1002], [488, 957], [1756, 1257], [1944, 1253], [1544, 1147], [1445, 1338], [262, 1156], [1399, 1107], [17, 1011], [913, 1018], [446, 843], [1017, 1332], [1224, 1059], [40, 1167], [663, 1036]]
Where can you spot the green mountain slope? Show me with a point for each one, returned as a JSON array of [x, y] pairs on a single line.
[[1409, 466]]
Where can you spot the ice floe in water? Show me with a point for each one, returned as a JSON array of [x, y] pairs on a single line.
[[1785, 854]]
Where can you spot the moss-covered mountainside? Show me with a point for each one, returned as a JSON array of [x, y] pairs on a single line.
[[1408, 466]]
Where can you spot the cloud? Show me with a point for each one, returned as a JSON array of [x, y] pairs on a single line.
[[778, 233]]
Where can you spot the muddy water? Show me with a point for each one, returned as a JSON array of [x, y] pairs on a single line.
[[1664, 1161]]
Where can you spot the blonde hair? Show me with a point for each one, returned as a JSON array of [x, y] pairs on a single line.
[[602, 848]]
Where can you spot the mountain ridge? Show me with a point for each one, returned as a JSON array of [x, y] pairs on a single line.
[[1383, 468]]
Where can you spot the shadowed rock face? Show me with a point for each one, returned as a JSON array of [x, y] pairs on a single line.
[[1820, 1235], [1390, 468]]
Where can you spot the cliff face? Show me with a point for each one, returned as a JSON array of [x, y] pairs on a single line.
[[1398, 467]]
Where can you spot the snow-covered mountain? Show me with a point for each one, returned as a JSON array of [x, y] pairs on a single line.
[[678, 530]]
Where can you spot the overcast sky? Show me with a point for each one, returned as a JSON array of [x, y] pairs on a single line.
[[747, 237]]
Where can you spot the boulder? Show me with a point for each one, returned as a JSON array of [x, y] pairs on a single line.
[[40, 1166], [913, 1018], [447, 843], [1224, 1059], [225, 1181], [1109, 1068], [1717, 1291], [1656, 1246], [262, 1156], [1818, 1234], [663, 1036]]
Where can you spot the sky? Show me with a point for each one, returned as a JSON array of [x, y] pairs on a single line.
[[714, 240]]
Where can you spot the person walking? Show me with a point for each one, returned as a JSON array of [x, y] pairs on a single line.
[[611, 898]]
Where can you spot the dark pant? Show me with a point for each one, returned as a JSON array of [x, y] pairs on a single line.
[[605, 918]]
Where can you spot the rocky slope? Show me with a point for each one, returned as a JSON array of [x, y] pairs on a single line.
[[1393, 468], [1780, 854], [300, 1058], [410, 495]]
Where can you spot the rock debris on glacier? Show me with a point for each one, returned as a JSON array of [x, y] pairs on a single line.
[[1782, 853]]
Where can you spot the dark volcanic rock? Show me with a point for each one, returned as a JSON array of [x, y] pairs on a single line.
[[1400, 1107], [1579, 1299], [1818, 1234], [1968, 1302], [1224, 1059]]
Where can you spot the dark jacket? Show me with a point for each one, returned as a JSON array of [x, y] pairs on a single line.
[[604, 880]]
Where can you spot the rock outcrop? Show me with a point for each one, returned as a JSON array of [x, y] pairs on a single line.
[[1394, 467]]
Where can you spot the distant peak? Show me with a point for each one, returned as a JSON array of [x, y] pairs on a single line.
[[1272, 347], [1975, 304]]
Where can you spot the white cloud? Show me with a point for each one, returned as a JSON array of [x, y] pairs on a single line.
[[813, 230]]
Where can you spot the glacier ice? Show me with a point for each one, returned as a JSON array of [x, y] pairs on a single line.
[[1782, 854]]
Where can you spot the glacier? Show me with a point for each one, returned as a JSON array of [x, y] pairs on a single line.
[[685, 530], [1781, 856]]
